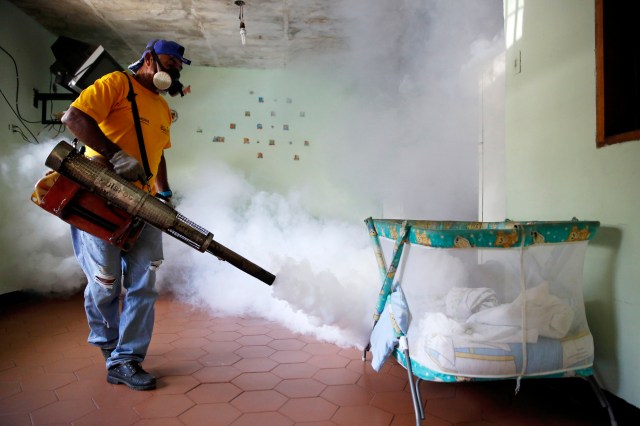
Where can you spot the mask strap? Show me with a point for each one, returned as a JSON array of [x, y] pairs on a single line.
[[159, 66]]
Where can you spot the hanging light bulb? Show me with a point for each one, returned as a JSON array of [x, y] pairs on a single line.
[[243, 33], [243, 29]]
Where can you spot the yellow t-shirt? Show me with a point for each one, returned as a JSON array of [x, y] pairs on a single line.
[[106, 102]]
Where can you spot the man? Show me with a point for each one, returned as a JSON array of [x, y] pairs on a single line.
[[102, 118]]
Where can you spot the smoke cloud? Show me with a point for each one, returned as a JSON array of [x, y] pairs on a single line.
[[326, 273], [37, 252], [410, 133]]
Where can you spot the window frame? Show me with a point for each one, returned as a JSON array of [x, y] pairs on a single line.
[[602, 138]]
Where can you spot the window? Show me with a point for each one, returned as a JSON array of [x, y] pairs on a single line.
[[617, 72]]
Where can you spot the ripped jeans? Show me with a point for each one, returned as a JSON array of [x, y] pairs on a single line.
[[108, 271]]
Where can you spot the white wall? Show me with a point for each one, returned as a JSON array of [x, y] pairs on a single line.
[[29, 45], [555, 172]]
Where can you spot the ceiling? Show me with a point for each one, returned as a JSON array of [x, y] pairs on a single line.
[[278, 31]]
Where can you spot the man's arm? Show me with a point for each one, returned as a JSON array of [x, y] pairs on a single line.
[[162, 179], [85, 128]]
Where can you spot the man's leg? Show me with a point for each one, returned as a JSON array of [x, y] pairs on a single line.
[[136, 321], [100, 262], [137, 317]]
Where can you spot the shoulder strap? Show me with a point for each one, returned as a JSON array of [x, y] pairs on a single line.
[[131, 97]]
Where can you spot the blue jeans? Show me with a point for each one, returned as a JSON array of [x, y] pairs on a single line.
[[108, 271]]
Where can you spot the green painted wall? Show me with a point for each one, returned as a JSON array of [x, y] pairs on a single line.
[[555, 172], [21, 36], [298, 119]]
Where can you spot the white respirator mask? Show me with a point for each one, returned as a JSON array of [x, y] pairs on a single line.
[[166, 80]]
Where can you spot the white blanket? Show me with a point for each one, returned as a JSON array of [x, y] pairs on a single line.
[[546, 315], [473, 315]]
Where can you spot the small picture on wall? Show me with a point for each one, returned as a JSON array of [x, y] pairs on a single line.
[[245, 140], [306, 143], [273, 113], [302, 114], [259, 155], [218, 139], [260, 100], [272, 142], [289, 100], [247, 113], [296, 157], [259, 126], [232, 126], [285, 127]]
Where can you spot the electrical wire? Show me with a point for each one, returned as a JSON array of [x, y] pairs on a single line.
[[16, 111], [18, 130]]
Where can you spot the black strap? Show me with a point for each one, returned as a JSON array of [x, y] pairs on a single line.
[[131, 97]]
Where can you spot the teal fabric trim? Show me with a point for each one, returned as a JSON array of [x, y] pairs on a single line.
[[391, 272], [451, 234], [375, 242]]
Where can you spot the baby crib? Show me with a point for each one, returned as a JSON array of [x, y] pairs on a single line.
[[482, 301]]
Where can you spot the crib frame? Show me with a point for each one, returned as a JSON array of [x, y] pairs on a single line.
[[409, 232]]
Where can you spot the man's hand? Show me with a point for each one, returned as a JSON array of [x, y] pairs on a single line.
[[128, 167]]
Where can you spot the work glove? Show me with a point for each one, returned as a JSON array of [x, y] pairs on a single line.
[[128, 167]]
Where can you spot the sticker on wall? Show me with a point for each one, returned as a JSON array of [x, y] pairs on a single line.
[[232, 126], [272, 142], [259, 126], [296, 157], [260, 100], [245, 140], [260, 155], [218, 139], [198, 130], [285, 127], [247, 113], [306, 143], [273, 113], [302, 114]]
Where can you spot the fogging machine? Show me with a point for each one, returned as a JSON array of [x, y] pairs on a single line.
[[92, 197]]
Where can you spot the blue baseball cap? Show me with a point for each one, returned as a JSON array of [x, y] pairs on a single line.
[[161, 47]]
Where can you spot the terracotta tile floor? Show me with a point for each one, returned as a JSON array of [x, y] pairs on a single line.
[[243, 371]]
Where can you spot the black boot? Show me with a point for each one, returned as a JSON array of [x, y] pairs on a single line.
[[131, 374]]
